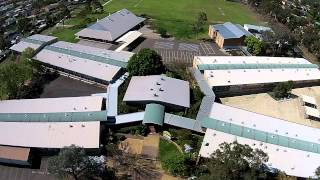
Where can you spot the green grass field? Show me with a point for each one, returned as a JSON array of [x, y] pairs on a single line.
[[167, 150], [177, 16]]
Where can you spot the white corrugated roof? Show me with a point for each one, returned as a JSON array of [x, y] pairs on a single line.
[[259, 76], [264, 123], [158, 88], [51, 105], [50, 134], [248, 60], [309, 99], [312, 112], [43, 38], [292, 162], [34, 42], [84, 66], [21, 46]]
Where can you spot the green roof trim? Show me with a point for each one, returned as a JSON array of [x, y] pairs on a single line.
[[33, 41], [254, 66], [258, 135], [154, 114], [87, 56], [54, 117]]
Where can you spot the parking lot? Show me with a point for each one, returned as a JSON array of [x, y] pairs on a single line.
[[16, 173], [173, 51]]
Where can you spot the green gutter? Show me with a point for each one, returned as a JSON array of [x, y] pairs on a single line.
[[33, 41], [254, 66], [54, 117], [87, 56], [258, 135]]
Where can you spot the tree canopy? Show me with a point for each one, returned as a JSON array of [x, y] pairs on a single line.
[[73, 162], [235, 161], [254, 45], [145, 62], [283, 90], [201, 20]]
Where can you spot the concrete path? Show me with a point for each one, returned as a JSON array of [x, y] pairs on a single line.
[[150, 147]]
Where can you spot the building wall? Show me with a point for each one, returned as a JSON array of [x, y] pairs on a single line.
[[221, 42]]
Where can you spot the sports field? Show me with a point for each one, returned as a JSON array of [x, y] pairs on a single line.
[[177, 16]]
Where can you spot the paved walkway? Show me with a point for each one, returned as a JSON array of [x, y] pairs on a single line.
[[150, 146]]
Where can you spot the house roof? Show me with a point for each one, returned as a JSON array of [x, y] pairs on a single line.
[[158, 89], [112, 27], [230, 31]]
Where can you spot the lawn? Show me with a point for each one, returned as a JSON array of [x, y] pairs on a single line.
[[65, 34], [167, 150], [177, 16]]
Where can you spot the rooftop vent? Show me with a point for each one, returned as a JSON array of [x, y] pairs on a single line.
[[160, 89], [155, 95], [71, 126], [151, 89], [158, 83], [162, 79], [82, 125]]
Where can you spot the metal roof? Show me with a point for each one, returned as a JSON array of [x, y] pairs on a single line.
[[14, 153], [291, 161], [254, 66], [182, 122], [230, 31], [154, 114], [50, 134], [158, 89], [104, 56], [35, 42], [267, 137], [256, 28], [112, 27], [54, 117]]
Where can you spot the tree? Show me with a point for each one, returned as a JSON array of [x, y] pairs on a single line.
[[22, 24], [317, 173], [96, 6], [145, 62], [236, 161], [3, 42], [73, 162], [28, 53], [201, 20], [283, 90], [254, 45]]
